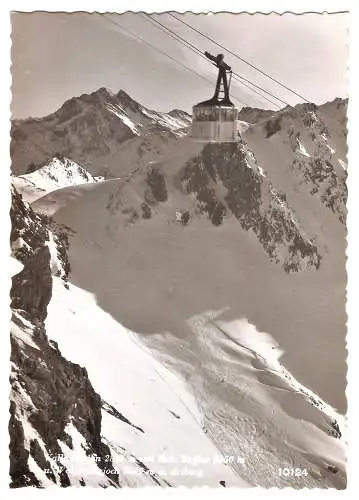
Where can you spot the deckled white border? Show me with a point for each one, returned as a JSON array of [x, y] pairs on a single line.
[[184, 5], [353, 248], [5, 93], [353, 225]]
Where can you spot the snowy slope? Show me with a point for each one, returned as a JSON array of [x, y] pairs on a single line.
[[57, 173], [252, 405], [138, 117], [244, 401], [130, 380]]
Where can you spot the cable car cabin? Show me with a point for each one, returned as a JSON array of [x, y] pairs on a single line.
[[215, 123], [215, 120]]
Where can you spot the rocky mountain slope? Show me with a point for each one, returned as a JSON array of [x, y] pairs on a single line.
[[50, 396], [310, 154], [199, 249], [90, 130]]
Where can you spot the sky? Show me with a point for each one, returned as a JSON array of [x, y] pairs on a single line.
[[56, 56]]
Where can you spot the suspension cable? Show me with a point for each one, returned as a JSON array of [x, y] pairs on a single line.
[[204, 57], [138, 37], [161, 52], [195, 49], [235, 75], [239, 57]]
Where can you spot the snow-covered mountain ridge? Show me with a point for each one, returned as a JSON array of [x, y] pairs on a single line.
[[57, 173], [84, 427], [312, 149], [167, 273], [90, 130]]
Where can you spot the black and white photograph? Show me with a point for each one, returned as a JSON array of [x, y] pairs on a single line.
[[178, 250]]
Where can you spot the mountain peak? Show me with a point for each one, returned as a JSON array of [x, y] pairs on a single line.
[[98, 96], [178, 113], [89, 128], [127, 100]]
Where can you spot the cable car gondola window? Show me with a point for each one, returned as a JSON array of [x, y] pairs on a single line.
[[226, 115], [206, 114]]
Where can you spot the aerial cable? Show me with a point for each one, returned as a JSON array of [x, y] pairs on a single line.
[[174, 35], [177, 37], [238, 77], [150, 45], [194, 48], [159, 50], [197, 51], [239, 57], [162, 52]]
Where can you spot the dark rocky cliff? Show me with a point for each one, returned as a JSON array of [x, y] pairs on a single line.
[[47, 391], [252, 199]]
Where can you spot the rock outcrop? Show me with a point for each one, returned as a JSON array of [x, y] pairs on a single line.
[[48, 392]]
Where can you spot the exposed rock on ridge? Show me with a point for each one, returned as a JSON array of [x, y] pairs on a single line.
[[47, 391]]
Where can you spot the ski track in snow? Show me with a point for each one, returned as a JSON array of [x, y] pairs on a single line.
[[232, 403], [245, 400], [127, 376]]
